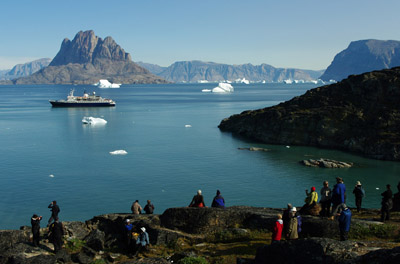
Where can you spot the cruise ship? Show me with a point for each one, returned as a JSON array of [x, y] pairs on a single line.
[[86, 100]]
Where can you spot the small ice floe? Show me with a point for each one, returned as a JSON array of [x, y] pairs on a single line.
[[287, 146], [51, 176], [188, 125], [377, 188], [206, 90], [223, 88], [118, 152], [106, 84], [93, 120]]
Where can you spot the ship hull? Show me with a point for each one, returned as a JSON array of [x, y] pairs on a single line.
[[81, 104]]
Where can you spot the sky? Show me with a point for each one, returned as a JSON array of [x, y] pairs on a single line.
[[286, 33]]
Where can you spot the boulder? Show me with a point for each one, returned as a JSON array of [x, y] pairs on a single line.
[[96, 240]]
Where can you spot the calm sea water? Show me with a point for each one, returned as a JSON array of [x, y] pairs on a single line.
[[166, 161]]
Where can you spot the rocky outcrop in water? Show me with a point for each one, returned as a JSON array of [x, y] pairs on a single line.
[[363, 56], [326, 163], [361, 114], [87, 59]]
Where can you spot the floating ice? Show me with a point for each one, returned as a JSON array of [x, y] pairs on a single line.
[[377, 188], [119, 152], [106, 84], [223, 88], [206, 90], [93, 120], [287, 146], [51, 176], [188, 125]]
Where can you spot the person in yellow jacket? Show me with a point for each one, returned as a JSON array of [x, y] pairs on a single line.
[[310, 201]]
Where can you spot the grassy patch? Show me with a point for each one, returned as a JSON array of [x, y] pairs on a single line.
[[74, 245], [374, 232], [193, 260]]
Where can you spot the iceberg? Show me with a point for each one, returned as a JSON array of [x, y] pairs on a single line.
[[93, 120], [188, 125], [118, 152], [206, 90], [106, 84], [223, 88]]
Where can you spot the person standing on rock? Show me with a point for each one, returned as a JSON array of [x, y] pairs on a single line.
[[326, 199], [136, 208], [359, 193], [338, 196], [277, 231], [286, 218], [149, 207], [387, 204], [344, 222], [142, 241], [56, 231], [218, 201], [35, 222], [198, 200], [128, 234], [292, 230], [396, 200], [55, 209]]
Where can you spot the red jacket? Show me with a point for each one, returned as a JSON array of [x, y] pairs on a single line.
[[277, 233]]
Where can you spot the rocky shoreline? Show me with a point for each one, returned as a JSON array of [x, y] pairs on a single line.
[[206, 232]]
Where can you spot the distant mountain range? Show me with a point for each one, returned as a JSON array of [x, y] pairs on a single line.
[[26, 69], [88, 58], [364, 56], [195, 71]]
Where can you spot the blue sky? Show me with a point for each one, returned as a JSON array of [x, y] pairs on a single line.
[[298, 34]]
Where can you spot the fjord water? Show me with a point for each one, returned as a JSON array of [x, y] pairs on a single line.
[[48, 154]]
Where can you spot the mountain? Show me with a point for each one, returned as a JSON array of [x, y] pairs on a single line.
[[88, 58], [26, 69], [360, 114], [153, 68], [363, 56], [194, 71]]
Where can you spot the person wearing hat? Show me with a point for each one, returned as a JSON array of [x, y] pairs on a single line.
[[128, 234], [310, 201], [338, 196], [198, 200], [359, 194], [142, 241], [344, 221], [35, 222], [292, 229], [218, 201]]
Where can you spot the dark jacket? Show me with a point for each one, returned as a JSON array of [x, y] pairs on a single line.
[[54, 210], [57, 231], [387, 202], [218, 202], [149, 208], [345, 220], [35, 222], [197, 200], [358, 191]]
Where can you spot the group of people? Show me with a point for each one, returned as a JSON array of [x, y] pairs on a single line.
[[137, 209], [198, 200], [56, 228], [137, 241]]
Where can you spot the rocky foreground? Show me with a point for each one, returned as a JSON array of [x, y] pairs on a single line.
[[234, 235], [360, 114]]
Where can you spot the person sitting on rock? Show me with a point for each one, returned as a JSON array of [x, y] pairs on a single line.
[[218, 201], [344, 222], [198, 200], [142, 241], [149, 207], [136, 208], [277, 231], [310, 202]]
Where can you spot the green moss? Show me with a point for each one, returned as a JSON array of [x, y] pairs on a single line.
[[74, 245], [385, 231], [193, 260]]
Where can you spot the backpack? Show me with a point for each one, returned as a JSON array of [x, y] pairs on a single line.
[[299, 222]]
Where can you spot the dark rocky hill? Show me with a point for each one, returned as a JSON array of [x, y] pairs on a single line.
[[194, 71], [88, 58], [26, 69], [363, 56], [360, 114]]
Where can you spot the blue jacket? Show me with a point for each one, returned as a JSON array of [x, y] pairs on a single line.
[[345, 220], [338, 193], [143, 239]]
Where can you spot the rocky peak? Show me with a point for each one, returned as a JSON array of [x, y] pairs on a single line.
[[86, 47]]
